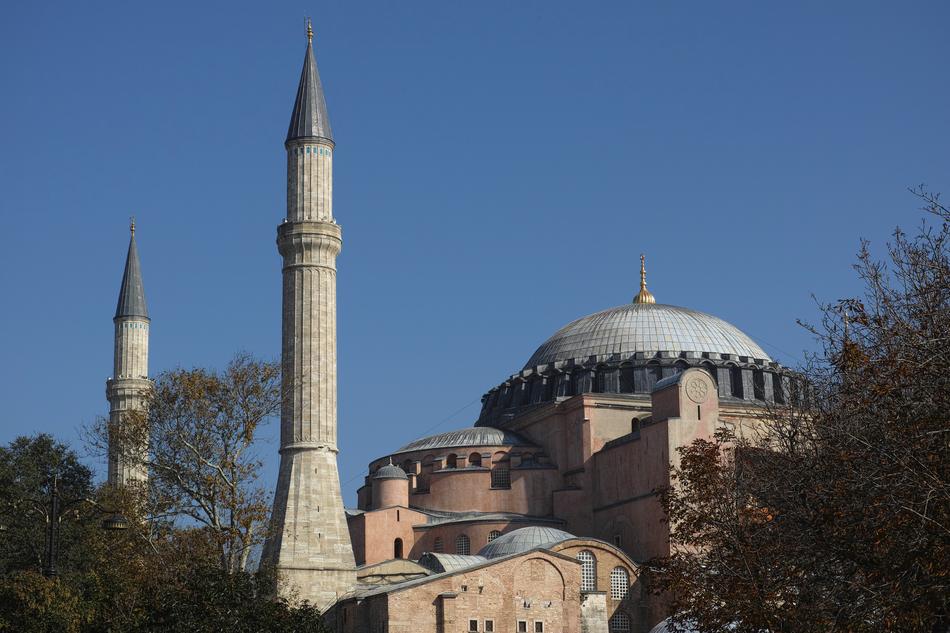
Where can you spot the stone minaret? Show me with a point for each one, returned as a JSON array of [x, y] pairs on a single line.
[[309, 542], [129, 380]]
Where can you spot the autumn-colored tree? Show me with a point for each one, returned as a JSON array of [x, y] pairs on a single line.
[[836, 516], [201, 427]]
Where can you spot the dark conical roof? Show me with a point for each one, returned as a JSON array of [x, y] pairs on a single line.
[[310, 118], [132, 293]]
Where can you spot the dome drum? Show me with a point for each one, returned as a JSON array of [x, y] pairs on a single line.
[[627, 349], [737, 377]]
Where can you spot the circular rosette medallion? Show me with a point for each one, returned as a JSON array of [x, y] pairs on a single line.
[[697, 390]]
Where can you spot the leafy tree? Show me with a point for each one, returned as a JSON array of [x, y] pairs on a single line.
[[27, 468], [836, 515], [201, 426]]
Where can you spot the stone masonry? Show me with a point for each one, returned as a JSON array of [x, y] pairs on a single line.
[[309, 543]]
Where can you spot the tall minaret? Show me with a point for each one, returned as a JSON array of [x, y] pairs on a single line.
[[309, 542], [129, 382]]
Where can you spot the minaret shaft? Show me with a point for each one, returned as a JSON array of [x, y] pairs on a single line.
[[309, 543]]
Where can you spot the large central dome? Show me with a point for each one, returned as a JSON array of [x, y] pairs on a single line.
[[644, 327]]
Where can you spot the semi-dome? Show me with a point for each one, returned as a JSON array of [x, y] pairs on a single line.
[[477, 436], [522, 540], [644, 327]]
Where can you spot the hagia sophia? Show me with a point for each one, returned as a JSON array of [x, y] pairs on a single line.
[[539, 516]]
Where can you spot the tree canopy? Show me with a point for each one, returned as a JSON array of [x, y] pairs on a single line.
[[835, 516]]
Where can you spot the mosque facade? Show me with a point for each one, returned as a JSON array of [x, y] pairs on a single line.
[[539, 516]]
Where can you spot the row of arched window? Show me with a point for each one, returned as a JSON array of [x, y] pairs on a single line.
[[463, 544], [500, 468], [619, 578], [628, 378]]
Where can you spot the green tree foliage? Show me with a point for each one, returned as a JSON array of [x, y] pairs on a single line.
[[836, 517], [182, 563]]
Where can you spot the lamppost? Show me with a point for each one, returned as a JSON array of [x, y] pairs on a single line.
[[57, 508]]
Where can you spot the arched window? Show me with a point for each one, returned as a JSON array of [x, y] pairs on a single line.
[[462, 545], [493, 535], [588, 571], [451, 461], [619, 583], [437, 546], [735, 382], [500, 473], [627, 383], [475, 459], [620, 622], [527, 459], [758, 384], [635, 427], [422, 480], [397, 548], [778, 388], [654, 374]]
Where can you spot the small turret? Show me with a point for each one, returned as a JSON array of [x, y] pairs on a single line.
[[390, 487]]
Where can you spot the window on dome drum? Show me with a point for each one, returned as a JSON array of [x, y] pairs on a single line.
[[654, 374], [619, 583], [588, 571], [475, 459], [626, 379], [712, 372], [527, 459], [437, 545], [451, 461], [635, 427], [462, 545], [758, 384], [493, 535], [735, 382], [500, 474], [620, 622], [778, 388], [397, 548]]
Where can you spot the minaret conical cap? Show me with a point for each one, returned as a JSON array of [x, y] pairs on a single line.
[[310, 118], [132, 293]]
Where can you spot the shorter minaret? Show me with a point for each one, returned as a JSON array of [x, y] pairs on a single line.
[[644, 296], [126, 389]]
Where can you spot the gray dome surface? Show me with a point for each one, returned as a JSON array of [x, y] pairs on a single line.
[[390, 471], [475, 436], [644, 327], [522, 540]]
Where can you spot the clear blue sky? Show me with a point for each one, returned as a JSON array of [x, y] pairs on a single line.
[[499, 168]]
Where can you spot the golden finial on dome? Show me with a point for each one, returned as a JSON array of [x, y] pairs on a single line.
[[644, 296], [309, 31]]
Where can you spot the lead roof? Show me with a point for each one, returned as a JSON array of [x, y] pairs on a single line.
[[132, 293], [644, 327], [310, 119]]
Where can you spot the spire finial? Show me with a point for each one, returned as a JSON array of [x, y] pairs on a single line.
[[644, 296], [132, 225], [309, 31]]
